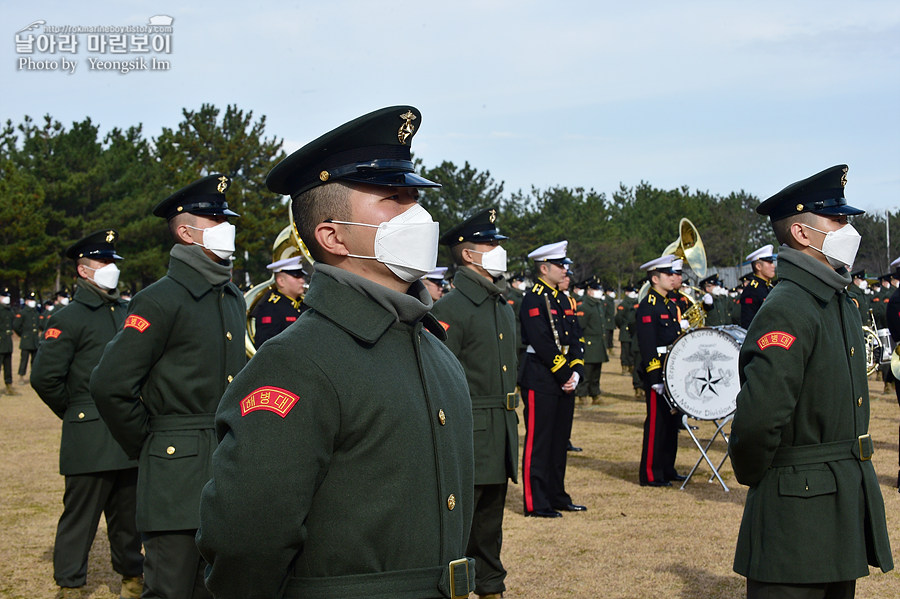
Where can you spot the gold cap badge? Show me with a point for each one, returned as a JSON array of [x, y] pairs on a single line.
[[323, 176], [223, 184], [407, 128], [799, 207], [493, 215], [844, 178], [110, 236]]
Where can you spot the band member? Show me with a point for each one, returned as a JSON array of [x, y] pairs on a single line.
[[345, 463], [800, 436], [892, 315], [759, 284], [658, 325], [548, 375], [481, 332], [280, 308], [434, 282]]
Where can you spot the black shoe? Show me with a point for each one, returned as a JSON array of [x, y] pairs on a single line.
[[571, 507], [573, 448], [657, 483], [677, 477], [543, 514]]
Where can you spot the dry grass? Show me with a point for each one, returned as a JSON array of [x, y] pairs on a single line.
[[634, 542]]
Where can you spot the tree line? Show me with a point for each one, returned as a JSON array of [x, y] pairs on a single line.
[[58, 184]]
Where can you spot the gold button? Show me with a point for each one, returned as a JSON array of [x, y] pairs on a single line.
[[80, 415], [852, 351], [228, 335], [442, 417], [112, 308], [859, 401], [501, 335], [170, 449], [451, 501], [230, 378], [504, 368]]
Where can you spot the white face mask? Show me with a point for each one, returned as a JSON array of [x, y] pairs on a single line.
[[840, 246], [106, 277], [407, 244], [632, 294], [493, 261], [4, 300], [50, 308], [579, 292], [863, 284], [520, 285], [65, 301], [219, 239], [30, 303], [595, 293], [611, 294]]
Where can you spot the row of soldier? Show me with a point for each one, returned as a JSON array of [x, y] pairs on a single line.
[[365, 449]]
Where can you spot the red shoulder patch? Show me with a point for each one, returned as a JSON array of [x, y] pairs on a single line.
[[52, 333], [779, 338], [534, 312], [273, 399], [446, 325], [510, 302], [138, 323], [18, 316]]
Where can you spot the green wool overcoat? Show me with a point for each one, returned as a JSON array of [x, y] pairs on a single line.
[[345, 449], [6, 329], [814, 512], [594, 319], [72, 346], [481, 333], [158, 385], [27, 325]]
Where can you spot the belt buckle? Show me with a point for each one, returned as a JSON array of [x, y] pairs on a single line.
[[453, 566], [512, 401], [866, 447]]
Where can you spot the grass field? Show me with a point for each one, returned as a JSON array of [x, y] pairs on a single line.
[[633, 542]]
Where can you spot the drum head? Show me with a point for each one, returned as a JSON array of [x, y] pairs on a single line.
[[701, 372]]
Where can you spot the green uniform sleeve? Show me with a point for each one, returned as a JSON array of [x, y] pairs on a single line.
[[772, 365], [266, 470], [52, 362], [127, 360]]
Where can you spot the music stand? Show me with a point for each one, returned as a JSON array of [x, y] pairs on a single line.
[[704, 449]]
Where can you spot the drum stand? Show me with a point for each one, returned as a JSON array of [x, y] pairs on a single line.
[[704, 449]]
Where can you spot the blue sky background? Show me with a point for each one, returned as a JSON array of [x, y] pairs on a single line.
[[718, 96]]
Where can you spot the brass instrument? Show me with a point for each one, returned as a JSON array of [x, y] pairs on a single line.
[[287, 245], [874, 348], [688, 247]]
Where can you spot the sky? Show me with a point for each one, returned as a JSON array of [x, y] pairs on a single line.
[[717, 96]]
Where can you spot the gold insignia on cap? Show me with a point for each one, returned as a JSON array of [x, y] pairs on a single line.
[[110, 236], [323, 176], [493, 215], [844, 178], [799, 207], [179, 209], [223, 184], [461, 237], [407, 128]]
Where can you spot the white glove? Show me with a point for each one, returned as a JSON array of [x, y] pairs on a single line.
[[659, 388], [685, 325], [707, 299]]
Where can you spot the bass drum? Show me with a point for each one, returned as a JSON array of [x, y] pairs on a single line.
[[701, 371]]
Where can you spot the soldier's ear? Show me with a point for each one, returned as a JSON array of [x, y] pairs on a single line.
[[799, 235], [330, 237]]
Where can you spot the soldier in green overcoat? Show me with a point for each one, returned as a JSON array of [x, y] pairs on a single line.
[[160, 379], [857, 292], [27, 325], [593, 317], [100, 478], [814, 516], [345, 464], [716, 303], [6, 344], [480, 328]]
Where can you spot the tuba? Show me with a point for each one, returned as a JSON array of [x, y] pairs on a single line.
[[287, 245], [688, 247]]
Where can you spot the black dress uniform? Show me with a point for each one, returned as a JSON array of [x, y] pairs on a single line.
[[99, 477], [274, 314], [553, 354], [657, 326], [345, 467], [892, 315], [158, 385], [814, 513], [27, 325], [752, 297]]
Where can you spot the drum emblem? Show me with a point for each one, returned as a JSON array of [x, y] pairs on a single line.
[[707, 382]]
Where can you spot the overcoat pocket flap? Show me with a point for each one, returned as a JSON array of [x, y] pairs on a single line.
[[82, 413], [807, 483], [173, 445]]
